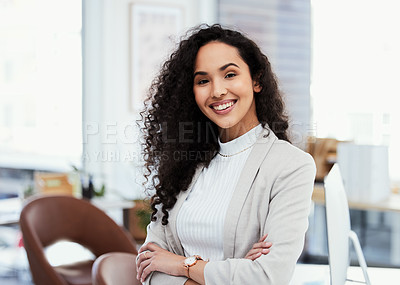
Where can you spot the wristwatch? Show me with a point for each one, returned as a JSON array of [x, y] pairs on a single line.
[[190, 261]]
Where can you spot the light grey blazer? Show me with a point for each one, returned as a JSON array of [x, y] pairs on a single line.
[[273, 196]]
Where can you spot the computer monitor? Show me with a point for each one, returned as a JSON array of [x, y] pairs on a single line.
[[339, 229]]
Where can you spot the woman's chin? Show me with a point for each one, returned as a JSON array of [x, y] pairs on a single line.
[[224, 125]]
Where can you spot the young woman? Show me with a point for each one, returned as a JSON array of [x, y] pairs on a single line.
[[228, 184]]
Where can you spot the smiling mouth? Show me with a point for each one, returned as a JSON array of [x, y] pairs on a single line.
[[221, 107]]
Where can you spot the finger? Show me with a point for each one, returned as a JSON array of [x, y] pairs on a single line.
[[145, 255], [149, 246], [267, 244], [253, 256], [141, 267], [252, 252], [144, 247], [146, 271], [259, 245], [141, 257], [257, 250], [265, 251], [263, 238], [262, 245]]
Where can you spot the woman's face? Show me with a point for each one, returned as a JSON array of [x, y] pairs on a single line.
[[224, 89]]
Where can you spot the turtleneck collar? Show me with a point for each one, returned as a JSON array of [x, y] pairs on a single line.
[[240, 143]]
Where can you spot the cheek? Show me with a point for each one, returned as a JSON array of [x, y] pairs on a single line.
[[200, 98], [243, 88]]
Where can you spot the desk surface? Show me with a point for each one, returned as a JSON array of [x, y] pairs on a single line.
[[313, 274], [390, 204]]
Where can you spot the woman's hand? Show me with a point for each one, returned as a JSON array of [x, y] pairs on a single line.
[[154, 258], [259, 248]]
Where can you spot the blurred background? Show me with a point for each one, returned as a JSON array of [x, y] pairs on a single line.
[[74, 74]]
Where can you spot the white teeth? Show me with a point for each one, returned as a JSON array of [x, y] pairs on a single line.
[[223, 106]]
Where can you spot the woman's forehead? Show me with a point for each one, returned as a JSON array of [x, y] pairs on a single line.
[[217, 54]]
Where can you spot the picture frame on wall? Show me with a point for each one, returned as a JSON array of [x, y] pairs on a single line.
[[154, 30]]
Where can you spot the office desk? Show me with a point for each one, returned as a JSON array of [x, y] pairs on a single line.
[[10, 209], [313, 274], [391, 204]]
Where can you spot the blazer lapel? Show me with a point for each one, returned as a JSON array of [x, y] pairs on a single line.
[[250, 169], [172, 232]]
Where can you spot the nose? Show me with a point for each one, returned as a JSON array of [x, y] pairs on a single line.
[[219, 90]]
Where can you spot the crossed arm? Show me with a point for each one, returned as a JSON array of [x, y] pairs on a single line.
[[154, 258]]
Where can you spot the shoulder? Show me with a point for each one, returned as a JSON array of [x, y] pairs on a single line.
[[285, 157], [288, 152]]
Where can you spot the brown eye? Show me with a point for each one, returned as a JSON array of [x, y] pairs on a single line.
[[230, 75], [203, 81]]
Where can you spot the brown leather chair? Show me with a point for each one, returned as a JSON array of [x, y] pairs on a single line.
[[47, 219], [116, 268]]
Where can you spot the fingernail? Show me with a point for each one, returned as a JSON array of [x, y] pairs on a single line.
[[268, 243], [265, 250]]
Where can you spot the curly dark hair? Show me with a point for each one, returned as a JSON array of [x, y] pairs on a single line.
[[178, 136]]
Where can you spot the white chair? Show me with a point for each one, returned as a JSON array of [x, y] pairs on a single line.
[[339, 231]]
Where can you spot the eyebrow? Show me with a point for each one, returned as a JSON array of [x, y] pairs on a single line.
[[222, 68]]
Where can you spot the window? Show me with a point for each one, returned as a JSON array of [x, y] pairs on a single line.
[[40, 84], [355, 73]]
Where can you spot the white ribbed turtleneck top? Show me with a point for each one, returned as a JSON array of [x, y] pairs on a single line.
[[200, 221]]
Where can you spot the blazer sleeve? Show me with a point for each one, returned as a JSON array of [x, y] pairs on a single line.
[[286, 224], [156, 234]]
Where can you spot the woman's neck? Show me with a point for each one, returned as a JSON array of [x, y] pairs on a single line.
[[226, 135]]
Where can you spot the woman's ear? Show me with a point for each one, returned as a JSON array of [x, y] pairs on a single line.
[[256, 87]]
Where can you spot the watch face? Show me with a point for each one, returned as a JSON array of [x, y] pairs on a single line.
[[190, 260]]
